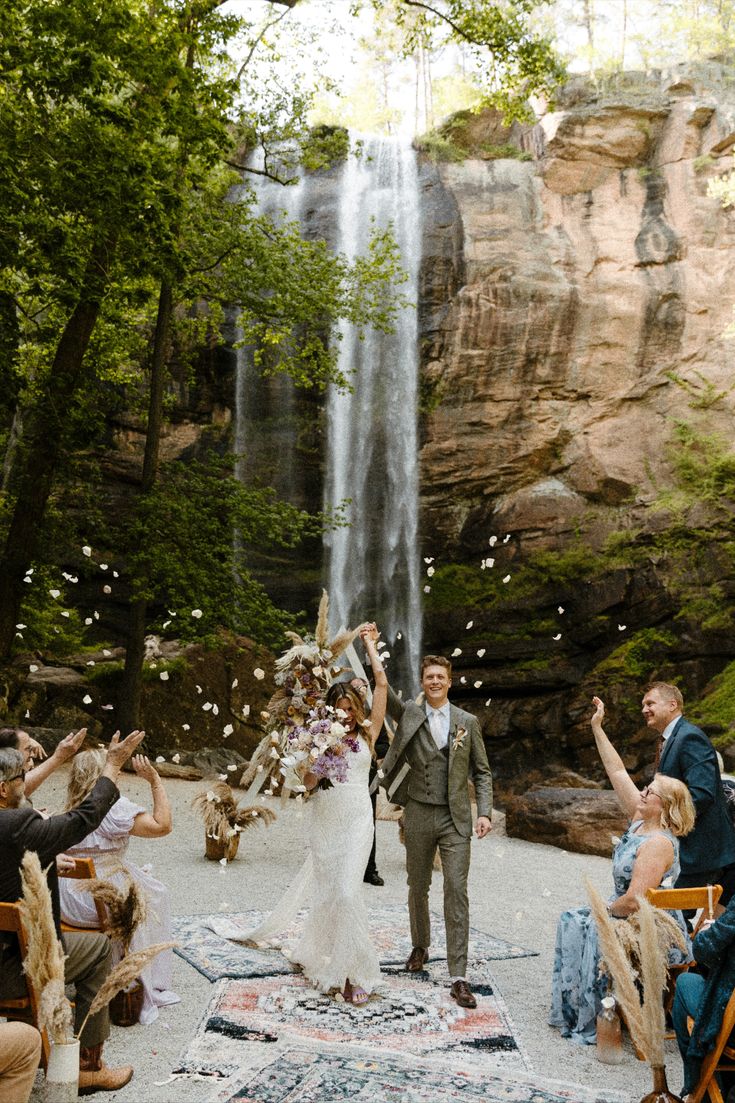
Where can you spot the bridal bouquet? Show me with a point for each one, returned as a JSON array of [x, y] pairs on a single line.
[[321, 746], [303, 735]]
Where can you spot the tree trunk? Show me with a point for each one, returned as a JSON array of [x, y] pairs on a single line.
[[132, 680], [43, 436]]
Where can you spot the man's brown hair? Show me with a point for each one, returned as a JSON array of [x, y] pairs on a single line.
[[671, 693], [436, 660]]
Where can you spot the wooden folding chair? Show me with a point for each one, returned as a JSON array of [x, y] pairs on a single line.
[[702, 898], [25, 1008], [720, 1059], [83, 869]]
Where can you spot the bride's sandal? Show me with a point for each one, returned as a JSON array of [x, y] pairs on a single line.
[[359, 996]]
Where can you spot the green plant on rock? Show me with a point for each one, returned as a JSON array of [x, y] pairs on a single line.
[[507, 151], [717, 708], [440, 148], [635, 658]]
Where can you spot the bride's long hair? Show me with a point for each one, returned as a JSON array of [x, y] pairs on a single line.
[[341, 690]]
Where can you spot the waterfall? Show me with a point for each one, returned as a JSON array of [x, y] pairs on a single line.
[[371, 566], [372, 452]]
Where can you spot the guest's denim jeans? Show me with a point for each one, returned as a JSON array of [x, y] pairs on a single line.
[[687, 998]]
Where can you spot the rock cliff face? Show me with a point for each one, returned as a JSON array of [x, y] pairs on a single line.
[[574, 309]]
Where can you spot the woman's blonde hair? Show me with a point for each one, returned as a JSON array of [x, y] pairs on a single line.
[[678, 813], [85, 769]]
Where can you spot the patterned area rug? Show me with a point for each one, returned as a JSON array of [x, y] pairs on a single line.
[[414, 1015], [217, 958], [301, 1075]]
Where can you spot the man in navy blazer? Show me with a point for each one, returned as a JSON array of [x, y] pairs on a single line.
[[687, 754]]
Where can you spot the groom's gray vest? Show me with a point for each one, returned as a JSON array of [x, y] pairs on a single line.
[[429, 783]]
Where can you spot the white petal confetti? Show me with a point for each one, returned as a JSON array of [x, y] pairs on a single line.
[[160, 758], [215, 710], [104, 566], [86, 550], [108, 708], [493, 541], [33, 668], [115, 574], [507, 538], [27, 579], [87, 621], [166, 623], [86, 700], [176, 758], [163, 675], [234, 684], [107, 589], [21, 626], [481, 652], [430, 572], [560, 609], [106, 652], [507, 578], [96, 615], [91, 662], [468, 625], [65, 613], [196, 613], [457, 651], [399, 635], [259, 674], [488, 701], [246, 710], [557, 637], [232, 767], [430, 559], [186, 727], [206, 706], [55, 593], [477, 684], [622, 627], [223, 862], [198, 688], [463, 680], [228, 729]]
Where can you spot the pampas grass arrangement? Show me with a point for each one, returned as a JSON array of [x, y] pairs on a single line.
[[123, 975], [126, 910], [221, 815], [642, 941], [44, 960]]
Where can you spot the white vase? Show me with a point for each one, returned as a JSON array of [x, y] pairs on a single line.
[[62, 1073]]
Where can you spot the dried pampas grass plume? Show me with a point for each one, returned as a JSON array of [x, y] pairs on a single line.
[[619, 967], [253, 815], [652, 960], [126, 910], [128, 970], [44, 960], [342, 641], [322, 623]]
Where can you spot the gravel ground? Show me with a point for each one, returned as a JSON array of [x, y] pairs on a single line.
[[517, 890]]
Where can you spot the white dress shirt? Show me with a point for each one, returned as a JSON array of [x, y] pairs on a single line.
[[439, 724], [669, 728]]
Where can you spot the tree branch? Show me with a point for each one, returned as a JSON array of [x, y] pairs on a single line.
[[262, 172], [259, 39], [441, 15]]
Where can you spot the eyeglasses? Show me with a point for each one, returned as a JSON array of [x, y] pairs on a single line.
[[649, 791]]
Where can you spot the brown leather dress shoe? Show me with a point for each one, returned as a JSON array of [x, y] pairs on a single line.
[[104, 1079], [462, 993], [417, 959]]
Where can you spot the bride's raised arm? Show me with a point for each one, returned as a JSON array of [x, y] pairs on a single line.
[[369, 635]]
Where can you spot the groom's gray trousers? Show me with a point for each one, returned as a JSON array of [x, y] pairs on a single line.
[[428, 826]]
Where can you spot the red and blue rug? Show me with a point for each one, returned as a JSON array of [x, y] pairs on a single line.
[[217, 958]]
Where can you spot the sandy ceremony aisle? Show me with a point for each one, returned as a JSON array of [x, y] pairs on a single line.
[[517, 890]]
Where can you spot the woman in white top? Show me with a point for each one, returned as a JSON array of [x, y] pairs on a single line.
[[108, 847]]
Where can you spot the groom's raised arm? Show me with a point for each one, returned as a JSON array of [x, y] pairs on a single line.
[[395, 707]]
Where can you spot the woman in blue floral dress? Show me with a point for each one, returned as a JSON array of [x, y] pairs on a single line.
[[646, 857]]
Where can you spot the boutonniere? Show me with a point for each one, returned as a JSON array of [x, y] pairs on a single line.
[[459, 738]]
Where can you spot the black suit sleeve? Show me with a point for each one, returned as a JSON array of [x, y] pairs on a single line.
[[56, 834]]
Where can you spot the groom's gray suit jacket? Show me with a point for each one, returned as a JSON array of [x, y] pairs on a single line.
[[413, 749]]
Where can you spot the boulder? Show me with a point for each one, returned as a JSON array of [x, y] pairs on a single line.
[[582, 820]]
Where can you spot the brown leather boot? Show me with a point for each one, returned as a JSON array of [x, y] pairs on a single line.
[[96, 1076]]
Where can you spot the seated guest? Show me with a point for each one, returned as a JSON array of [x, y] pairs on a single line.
[[646, 857], [89, 956], [705, 1000], [108, 845], [20, 1052], [31, 750]]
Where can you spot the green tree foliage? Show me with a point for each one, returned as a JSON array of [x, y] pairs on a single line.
[[514, 59]]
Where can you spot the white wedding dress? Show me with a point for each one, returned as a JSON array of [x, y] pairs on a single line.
[[335, 945]]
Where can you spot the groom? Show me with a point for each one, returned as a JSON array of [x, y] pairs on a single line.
[[437, 748]]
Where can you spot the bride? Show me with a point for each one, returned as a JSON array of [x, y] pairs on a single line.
[[335, 951]]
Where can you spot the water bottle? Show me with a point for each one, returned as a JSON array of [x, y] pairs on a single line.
[[609, 1036]]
